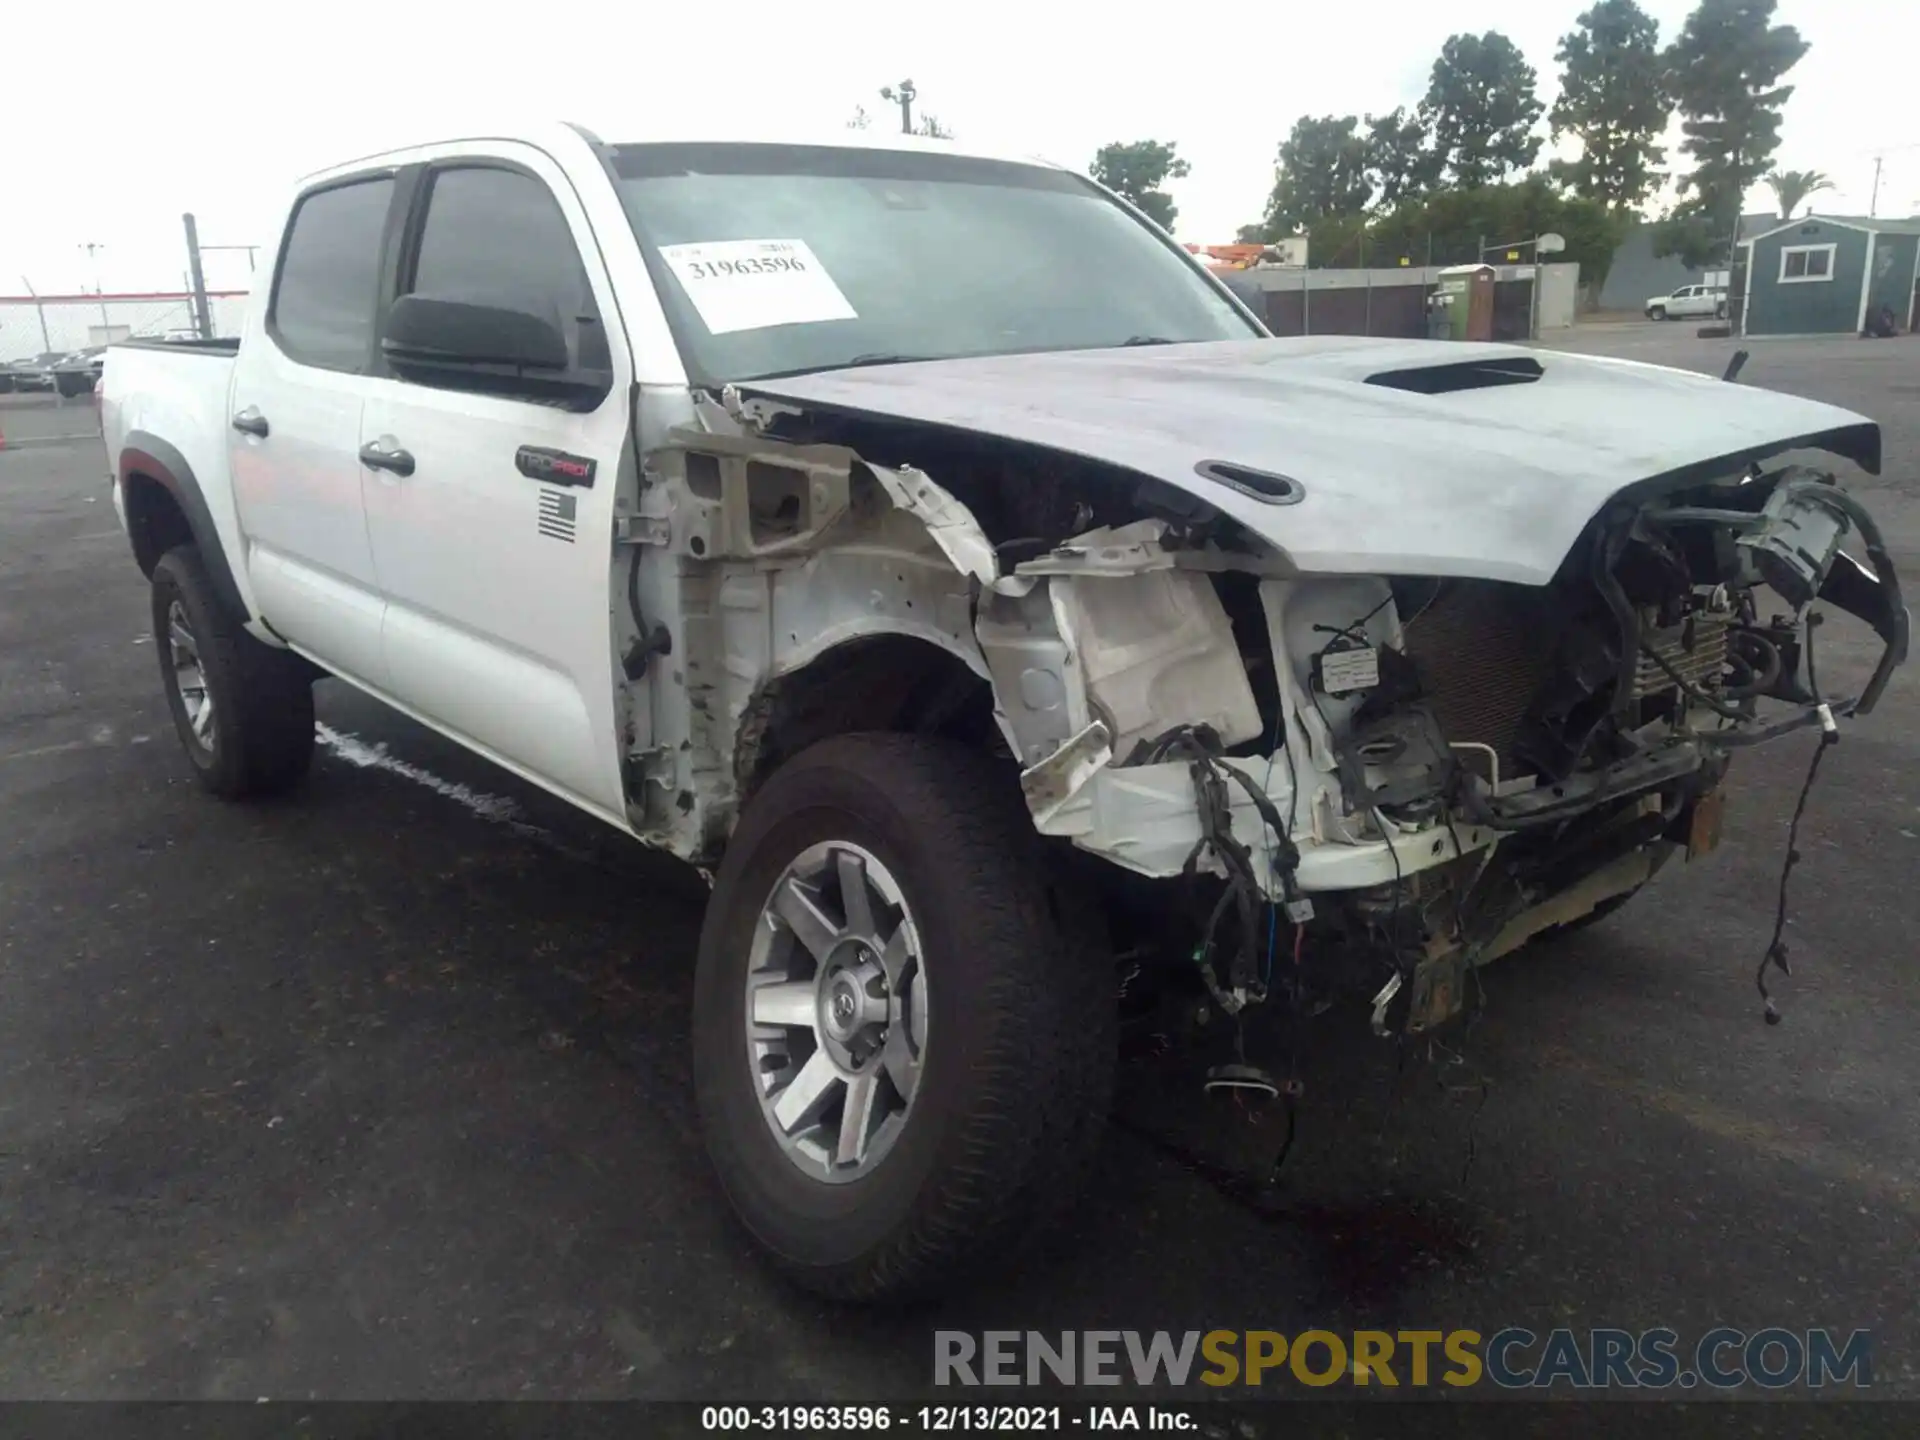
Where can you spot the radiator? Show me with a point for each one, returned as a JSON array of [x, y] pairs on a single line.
[[1483, 650]]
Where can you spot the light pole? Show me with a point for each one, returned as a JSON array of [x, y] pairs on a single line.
[[93, 257], [902, 95]]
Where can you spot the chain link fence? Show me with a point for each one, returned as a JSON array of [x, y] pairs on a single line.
[[49, 354], [36, 327]]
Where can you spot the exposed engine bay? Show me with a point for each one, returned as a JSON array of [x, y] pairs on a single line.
[[1321, 784]]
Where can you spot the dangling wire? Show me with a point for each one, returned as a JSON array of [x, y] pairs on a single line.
[[1776, 954]]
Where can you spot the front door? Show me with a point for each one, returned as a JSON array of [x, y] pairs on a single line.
[[298, 387], [490, 501]]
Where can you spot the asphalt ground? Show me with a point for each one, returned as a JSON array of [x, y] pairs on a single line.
[[381, 1091]]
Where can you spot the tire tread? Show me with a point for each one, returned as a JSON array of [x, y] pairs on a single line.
[[1044, 1076], [268, 734]]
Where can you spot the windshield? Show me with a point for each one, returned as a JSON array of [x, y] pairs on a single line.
[[778, 259]]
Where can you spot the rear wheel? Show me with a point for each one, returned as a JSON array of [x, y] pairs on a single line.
[[904, 1025], [243, 710]]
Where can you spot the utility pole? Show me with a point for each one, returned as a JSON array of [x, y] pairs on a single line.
[[202, 319], [100, 294], [1873, 205], [1735, 321], [206, 250], [902, 95]]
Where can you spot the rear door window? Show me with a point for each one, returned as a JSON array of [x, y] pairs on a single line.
[[326, 293]]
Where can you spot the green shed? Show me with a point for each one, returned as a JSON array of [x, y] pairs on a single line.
[[1824, 275]]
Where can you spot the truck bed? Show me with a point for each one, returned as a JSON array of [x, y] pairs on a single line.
[[223, 345]]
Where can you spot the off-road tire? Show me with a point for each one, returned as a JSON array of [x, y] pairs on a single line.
[[1022, 1029], [261, 740]]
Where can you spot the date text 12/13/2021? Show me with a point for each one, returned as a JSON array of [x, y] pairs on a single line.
[[941, 1419]]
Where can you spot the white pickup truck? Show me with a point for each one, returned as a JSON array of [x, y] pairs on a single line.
[[923, 542], [1704, 301]]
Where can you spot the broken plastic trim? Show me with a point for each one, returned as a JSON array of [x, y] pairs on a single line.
[[1873, 596], [1549, 805]]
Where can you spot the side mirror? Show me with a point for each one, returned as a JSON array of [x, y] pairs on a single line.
[[424, 331]]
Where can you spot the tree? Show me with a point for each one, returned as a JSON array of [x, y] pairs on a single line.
[[1686, 232], [1725, 70], [1613, 100], [1400, 166], [1321, 170], [1137, 171], [1449, 226], [1791, 187], [1481, 109]]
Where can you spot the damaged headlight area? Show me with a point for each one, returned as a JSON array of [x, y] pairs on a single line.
[[1405, 778]]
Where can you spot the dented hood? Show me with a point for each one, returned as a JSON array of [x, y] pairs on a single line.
[[1411, 457]]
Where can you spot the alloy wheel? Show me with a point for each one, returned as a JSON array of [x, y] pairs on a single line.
[[836, 1011]]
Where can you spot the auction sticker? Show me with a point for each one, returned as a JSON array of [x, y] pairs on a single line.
[[753, 284]]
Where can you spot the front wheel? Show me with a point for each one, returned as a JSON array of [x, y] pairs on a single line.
[[904, 1024], [1658, 312]]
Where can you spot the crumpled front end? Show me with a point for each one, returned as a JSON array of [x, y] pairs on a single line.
[[1429, 771], [1403, 774]]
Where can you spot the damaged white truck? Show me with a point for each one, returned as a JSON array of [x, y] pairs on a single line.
[[923, 543]]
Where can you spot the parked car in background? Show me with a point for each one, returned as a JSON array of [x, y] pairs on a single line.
[[78, 373], [1689, 300], [35, 373]]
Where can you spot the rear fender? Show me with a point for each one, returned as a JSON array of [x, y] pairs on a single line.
[[148, 455]]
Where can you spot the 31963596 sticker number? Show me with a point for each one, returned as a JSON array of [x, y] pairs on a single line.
[[755, 284], [747, 265]]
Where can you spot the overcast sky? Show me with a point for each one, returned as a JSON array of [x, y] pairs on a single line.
[[121, 116]]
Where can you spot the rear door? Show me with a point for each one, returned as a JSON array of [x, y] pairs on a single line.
[[493, 536], [299, 382]]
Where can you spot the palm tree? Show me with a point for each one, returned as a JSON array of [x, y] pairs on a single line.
[[1792, 187]]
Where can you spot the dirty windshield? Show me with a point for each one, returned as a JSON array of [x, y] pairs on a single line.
[[777, 259]]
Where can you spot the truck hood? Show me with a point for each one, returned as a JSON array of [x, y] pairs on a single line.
[[1408, 457]]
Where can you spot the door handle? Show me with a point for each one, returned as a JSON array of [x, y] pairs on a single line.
[[251, 422], [379, 455]]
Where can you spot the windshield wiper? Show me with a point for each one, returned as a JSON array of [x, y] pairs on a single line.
[[857, 362], [1133, 340], [878, 358]]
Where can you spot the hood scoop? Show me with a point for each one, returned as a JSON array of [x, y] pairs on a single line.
[[1450, 379]]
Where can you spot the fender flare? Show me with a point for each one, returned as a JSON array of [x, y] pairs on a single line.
[[149, 456]]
